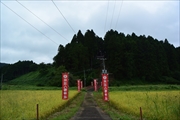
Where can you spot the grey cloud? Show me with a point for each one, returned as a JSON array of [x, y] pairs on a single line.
[[20, 41]]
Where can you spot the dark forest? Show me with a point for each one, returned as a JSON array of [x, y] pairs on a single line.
[[128, 57]]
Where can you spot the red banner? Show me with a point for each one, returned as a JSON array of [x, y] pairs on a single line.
[[105, 87], [79, 85], [65, 85], [95, 85]]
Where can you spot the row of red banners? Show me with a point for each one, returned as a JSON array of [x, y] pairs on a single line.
[[79, 85], [104, 84], [65, 86]]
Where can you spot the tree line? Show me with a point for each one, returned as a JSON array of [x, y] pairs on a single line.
[[11, 71], [128, 57]]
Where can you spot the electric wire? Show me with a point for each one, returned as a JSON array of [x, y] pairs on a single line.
[[28, 23], [112, 14], [119, 14], [42, 20], [106, 16], [63, 16]]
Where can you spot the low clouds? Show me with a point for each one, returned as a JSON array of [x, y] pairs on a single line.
[[38, 42]]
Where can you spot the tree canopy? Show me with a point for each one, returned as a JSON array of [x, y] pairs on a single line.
[[127, 56]]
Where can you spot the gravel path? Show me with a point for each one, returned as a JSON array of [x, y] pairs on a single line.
[[89, 109]]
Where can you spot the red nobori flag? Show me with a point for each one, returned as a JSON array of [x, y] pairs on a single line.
[[79, 85], [65, 85], [105, 87], [95, 85]]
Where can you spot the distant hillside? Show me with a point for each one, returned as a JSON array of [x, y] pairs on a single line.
[[3, 64], [12, 71], [26, 79], [46, 75]]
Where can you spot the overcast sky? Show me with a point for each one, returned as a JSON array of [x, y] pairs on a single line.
[[33, 30]]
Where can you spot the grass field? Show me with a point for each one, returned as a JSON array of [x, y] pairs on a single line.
[[21, 104], [31, 87], [156, 105]]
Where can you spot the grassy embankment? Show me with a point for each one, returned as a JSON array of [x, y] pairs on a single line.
[[29, 79]]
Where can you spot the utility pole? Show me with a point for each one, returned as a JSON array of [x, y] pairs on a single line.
[[102, 57], [103, 61]]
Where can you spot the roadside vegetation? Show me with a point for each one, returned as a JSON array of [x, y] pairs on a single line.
[[156, 105], [70, 110], [145, 88], [158, 102], [113, 112]]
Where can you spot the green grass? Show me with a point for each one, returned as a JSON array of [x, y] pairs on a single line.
[[27, 79], [145, 88], [32, 87], [70, 110], [110, 110], [28, 87], [33, 78]]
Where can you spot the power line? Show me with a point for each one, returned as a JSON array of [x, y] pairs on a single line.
[[119, 14], [63, 16], [113, 14], [28, 23], [106, 16], [42, 20]]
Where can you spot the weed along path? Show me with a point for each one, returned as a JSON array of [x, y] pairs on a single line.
[[89, 109]]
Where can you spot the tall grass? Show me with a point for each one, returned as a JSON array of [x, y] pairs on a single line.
[[21, 104], [156, 105]]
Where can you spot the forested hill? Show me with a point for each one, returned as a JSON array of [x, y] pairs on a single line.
[[127, 56], [130, 59], [11, 71]]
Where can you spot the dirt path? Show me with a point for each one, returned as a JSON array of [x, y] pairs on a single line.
[[89, 109]]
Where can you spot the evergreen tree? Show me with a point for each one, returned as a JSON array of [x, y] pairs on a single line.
[[60, 58], [127, 57]]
